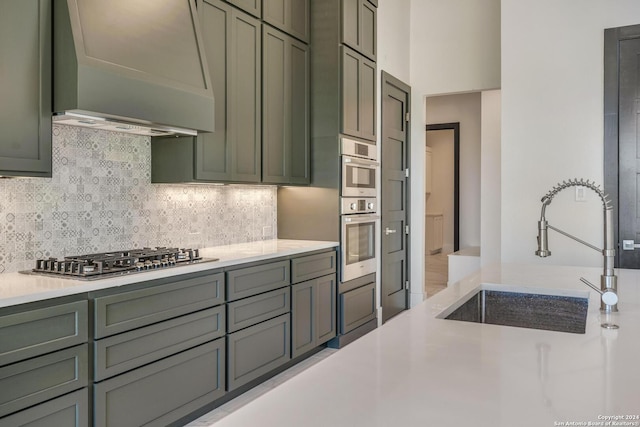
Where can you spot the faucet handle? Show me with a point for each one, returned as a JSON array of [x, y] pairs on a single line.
[[609, 296]]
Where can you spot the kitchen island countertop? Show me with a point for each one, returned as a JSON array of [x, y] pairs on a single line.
[[419, 370], [18, 288]]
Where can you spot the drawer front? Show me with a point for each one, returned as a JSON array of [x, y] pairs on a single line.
[[257, 350], [33, 381], [36, 332], [250, 281], [250, 311], [123, 352], [70, 410], [312, 266], [129, 310], [357, 307], [162, 392]]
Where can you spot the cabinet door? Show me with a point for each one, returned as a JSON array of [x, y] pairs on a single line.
[[285, 109], [70, 410], [290, 16], [357, 307], [303, 318], [358, 95], [162, 392], [257, 350], [253, 7], [313, 313], [25, 88], [359, 26], [232, 45]]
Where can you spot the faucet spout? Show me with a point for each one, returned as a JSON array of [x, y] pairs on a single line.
[[608, 280]]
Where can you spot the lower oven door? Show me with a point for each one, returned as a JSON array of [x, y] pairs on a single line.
[[358, 245]]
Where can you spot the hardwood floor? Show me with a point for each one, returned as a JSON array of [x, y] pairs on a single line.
[[436, 273]]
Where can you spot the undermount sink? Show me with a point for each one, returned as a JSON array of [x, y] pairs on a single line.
[[524, 310]]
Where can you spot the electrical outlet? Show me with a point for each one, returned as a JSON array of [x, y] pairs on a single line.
[[581, 194], [267, 231]]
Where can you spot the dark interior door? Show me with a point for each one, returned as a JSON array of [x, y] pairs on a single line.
[[622, 138], [394, 206]]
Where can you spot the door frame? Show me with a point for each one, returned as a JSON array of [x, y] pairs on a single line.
[[385, 79], [456, 176], [612, 38]]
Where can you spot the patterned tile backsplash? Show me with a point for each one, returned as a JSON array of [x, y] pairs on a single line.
[[100, 198]]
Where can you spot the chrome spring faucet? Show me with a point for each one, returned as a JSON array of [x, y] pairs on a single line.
[[608, 280]]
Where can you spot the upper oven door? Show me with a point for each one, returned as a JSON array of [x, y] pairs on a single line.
[[359, 177]]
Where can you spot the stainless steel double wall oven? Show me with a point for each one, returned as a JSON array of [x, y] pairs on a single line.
[[359, 207]]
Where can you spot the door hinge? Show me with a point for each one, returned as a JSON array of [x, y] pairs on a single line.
[[406, 229], [407, 116], [406, 285], [406, 172]]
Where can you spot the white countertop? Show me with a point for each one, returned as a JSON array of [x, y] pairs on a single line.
[[17, 288], [418, 370]]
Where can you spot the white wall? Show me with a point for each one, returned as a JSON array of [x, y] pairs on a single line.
[[441, 199], [552, 120], [490, 217], [465, 109]]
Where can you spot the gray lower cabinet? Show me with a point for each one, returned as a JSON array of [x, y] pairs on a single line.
[[359, 21], [358, 95], [312, 266], [290, 16], [232, 43], [249, 281], [249, 311], [162, 392], [25, 88], [70, 410], [357, 307], [285, 109], [36, 380], [257, 350], [313, 313]]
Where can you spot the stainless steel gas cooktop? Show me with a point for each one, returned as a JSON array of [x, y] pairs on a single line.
[[109, 264]]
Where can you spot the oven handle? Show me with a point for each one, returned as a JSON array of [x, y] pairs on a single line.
[[358, 218], [361, 162]]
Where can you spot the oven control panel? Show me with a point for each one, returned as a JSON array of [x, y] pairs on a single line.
[[358, 205]]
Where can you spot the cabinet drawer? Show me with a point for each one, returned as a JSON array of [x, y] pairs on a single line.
[[357, 307], [312, 266], [121, 353], [129, 310], [36, 332], [163, 392], [70, 410], [249, 311], [250, 281], [33, 381], [257, 350]]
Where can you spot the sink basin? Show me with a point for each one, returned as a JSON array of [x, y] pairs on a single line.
[[524, 310]]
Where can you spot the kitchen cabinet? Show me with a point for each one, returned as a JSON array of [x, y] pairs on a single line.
[[43, 357], [357, 307], [232, 43], [358, 95], [359, 21], [154, 336], [313, 313], [290, 16], [285, 109], [254, 7], [25, 87]]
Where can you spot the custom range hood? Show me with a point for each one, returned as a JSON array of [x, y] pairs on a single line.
[[135, 66]]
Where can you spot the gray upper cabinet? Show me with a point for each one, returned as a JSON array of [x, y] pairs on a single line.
[[232, 43], [359, 20], [358, 95], [253, 7], [290, 16], [25, 88], [285, 106]]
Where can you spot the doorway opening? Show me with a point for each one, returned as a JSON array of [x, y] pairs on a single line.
[[442, 202]]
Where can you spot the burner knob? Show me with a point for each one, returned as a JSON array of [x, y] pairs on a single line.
[[156, 263], [139, 266]]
